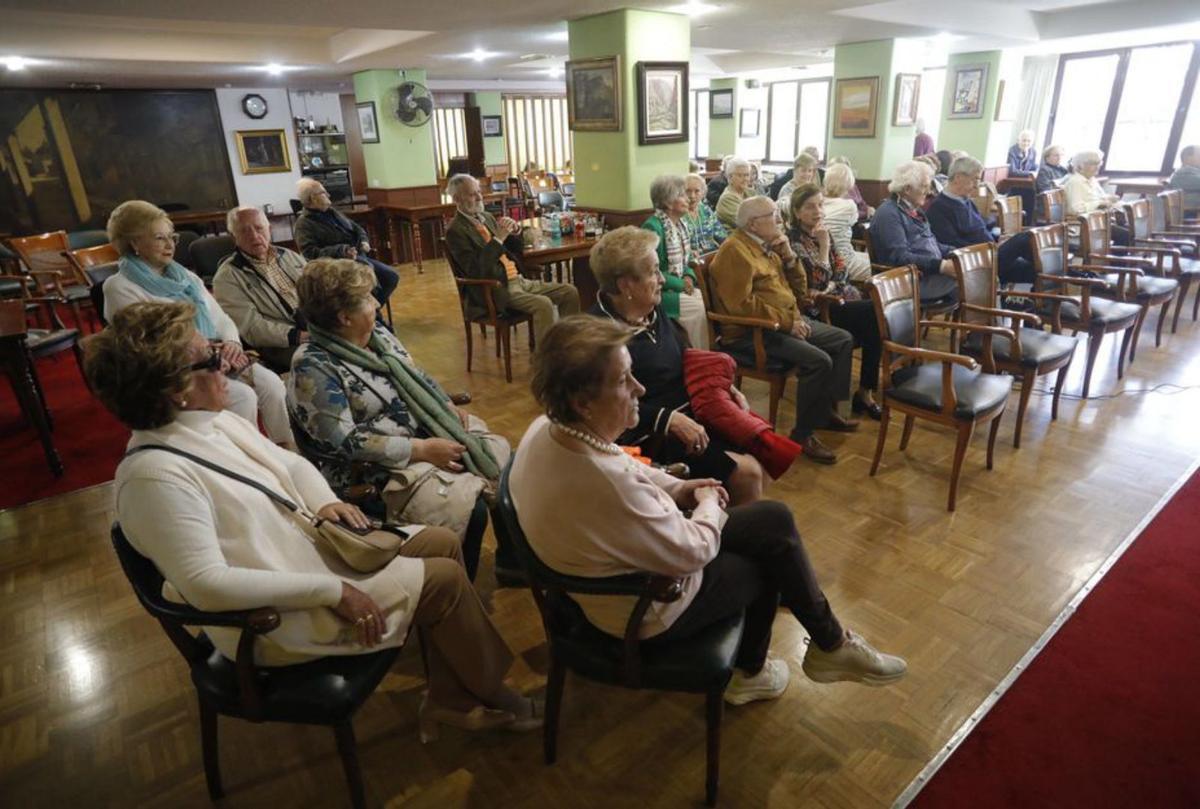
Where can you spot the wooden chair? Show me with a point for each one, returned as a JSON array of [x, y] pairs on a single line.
[[502, 321], [1128, 274], [81, 260], [53, 275], [1029, 352], [1052, 207], [324, 692], [941, 307], [1054, 293], [984, 200], [752, 363], [1170, 246], [1010, 215], [702, 663], [944, 388], [1177, 218]]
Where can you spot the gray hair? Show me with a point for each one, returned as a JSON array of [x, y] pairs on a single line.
[[695, 176], [1027, 133], [233, 218], [1054, 147], [306, 189], [753, 208], [841, 158], [457, 183], [910, 174], [814, 151], [666, 187], [804, 159], [839, 179], [964, 165], [734, 164], [1087, 156]]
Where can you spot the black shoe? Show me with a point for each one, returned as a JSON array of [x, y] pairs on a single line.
[[871, 408]]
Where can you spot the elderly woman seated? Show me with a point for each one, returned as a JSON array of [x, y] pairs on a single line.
[[323, 231], [804, 172], [900, 233], [840, 215], [681, 300], [144, 236], [1085, 194], [224, 544], [704, 229], [1052, 173], [625, 264], [865, 211], [738, 190], [366, 413], [635, 518]]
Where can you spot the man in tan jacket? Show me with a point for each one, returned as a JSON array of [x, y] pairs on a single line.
[[755, 274]]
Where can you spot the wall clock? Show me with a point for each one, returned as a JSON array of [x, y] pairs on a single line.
[[254, 105]]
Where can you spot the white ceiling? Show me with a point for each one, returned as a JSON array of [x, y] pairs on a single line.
[[210, 43]]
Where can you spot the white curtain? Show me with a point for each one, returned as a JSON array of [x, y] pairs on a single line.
[[1037, 87]]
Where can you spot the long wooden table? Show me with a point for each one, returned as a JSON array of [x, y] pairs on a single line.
[[567, 248]]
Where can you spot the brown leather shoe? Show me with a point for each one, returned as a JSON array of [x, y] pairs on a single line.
[[463, 398], [814, 450], [840, 425]]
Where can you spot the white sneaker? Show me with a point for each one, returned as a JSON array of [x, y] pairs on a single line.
[[769, 683], [854, 661]]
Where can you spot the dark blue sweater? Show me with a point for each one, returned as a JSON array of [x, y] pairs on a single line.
[[900, 235], [957, 222]]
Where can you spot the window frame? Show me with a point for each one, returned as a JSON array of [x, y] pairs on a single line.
[[799, 95]]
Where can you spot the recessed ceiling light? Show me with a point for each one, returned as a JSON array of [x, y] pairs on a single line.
[[555, 72], [479, 54], [693, 8], [274, 69], [15, 62], [557, 36]]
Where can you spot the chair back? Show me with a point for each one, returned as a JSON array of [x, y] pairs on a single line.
[[897, 305], [183, 250], [12, 318], [1174, 206], [207, 253], [1052, 206], [296, 205], [983, 199], [1009, 213], [1049, 252], [96, 277], [84, 259], [551, 201], [54, 243], [1160, 215], [975, 267], [1138, 216], [1093, 234], [707, 295]]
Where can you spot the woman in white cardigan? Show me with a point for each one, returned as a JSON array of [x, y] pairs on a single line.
[[841, 214], [144, 236], [222, 544]]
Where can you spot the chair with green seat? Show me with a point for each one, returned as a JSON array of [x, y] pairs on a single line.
[[701, 664], [327, 691]]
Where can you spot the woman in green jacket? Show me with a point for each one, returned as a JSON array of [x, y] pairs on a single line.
[[681, 299]]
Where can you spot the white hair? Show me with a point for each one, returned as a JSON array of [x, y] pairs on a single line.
[[700, 177], [734, 164], [233, 218], [664, 188], [306, 189], [910, 174], [752, 208], [1087, 156], [964, 165], [839, 179], [457, 183], [1026, 133]]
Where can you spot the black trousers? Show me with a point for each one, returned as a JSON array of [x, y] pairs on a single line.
[[1014, 260], [858, 318], [762, 564]]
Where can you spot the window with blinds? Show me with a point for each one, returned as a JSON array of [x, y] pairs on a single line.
[[449, 136], [535, 128]]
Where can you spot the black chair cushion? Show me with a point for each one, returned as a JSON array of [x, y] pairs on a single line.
[[81, 239], [322, 692], [13, 289], [743, 355], [76, 294], [44, 342], [1148, 286], [1037, 346], [1103, 312], [695, 664], [921, 386]]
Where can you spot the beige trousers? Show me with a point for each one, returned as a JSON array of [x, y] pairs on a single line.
[[540, 299]]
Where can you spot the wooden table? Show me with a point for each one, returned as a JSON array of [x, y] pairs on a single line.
[[1138, 185], [411, 217], [17, 362], [567, 248]]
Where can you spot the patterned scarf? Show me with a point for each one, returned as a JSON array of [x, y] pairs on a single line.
[[175, 284], [677, 241]]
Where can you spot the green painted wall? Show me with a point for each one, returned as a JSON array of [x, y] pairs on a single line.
[[493, 147], [403, 158], [722, 132], [611, 169], [875, 158], [972, 134]]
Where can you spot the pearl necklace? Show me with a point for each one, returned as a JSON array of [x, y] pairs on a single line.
[[592, 441]]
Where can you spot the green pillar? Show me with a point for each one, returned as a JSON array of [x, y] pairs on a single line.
[[494, 153], [876, 157], [612, 172], [722, 132], [403, 158], [984, 138]]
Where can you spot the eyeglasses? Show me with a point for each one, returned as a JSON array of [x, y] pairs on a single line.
[[173, 238], [213, 363]]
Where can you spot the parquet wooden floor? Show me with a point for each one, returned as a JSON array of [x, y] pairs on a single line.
[[96, 708]]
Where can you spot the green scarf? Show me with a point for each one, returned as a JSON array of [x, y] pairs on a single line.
[[426, 404]]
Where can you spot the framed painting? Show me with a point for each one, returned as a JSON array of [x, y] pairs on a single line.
[[969, 83], [749, 123], [594, 94], [720, 103], [1007, 93], [492, 128], [855, 102], [368, 124], [263, 151], [662, 102], [908, 93]]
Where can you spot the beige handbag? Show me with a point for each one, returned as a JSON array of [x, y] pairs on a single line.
[[423, 493]]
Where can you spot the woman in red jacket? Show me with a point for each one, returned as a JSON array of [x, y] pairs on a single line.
[[625, 263]]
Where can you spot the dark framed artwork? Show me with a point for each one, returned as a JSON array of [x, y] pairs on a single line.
[[662, 102], [263, 151], [368, 123], [855, 102], [594, 94], [492, 127], [720, 103], [749, 123], [908, 94], [970, 91]]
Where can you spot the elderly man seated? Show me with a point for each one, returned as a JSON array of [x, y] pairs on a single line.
[[755, 274], [484, 247], [1187, 176], [956, 222], [256, 286], [323, 231], [900, 233]]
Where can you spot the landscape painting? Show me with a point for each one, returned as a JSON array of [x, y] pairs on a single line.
[[855, 103], [662, 102], [594, 94]]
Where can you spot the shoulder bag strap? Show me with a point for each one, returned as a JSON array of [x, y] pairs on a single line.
[[275, 496]]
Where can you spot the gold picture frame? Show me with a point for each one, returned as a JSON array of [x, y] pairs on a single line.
[[594, 98], [263, 151], [856, 102]]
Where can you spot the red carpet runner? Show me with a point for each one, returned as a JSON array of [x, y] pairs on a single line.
[[89, 440], [1108, 715]]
